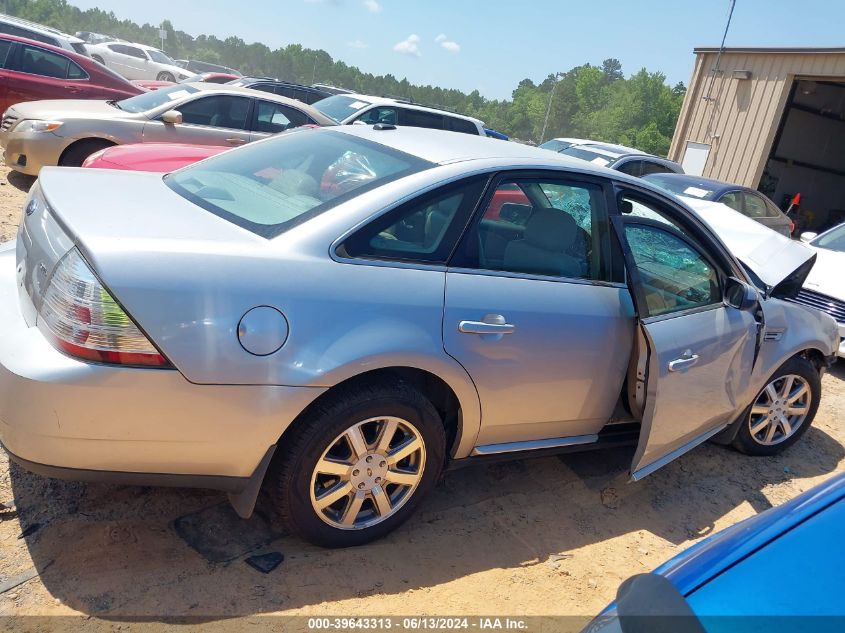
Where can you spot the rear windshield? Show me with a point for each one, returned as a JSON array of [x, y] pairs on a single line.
[[585, 154], [340, 107], [682, 186], [833, 240], [555, 145], [272, 186], [155, 98]]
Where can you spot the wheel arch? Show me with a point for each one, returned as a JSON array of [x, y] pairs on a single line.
[[99, 140]]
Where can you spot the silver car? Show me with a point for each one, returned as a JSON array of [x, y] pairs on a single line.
[[340, 314], [67, 131]]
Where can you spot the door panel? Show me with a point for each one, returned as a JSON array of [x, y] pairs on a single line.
[[688, 404], [559, 372], [215, 120]]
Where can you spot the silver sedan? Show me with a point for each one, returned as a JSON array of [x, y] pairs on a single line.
[[339, 314]]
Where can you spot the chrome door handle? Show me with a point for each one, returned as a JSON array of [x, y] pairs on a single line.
[[235, 141], [687, 360], [490, 324]]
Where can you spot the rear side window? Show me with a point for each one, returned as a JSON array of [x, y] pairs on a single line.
[[756, 207], [425, 230], [5, 47], [36, 61], [420, 118], [650, 167], [460, 125], [272, 118], [632, 168]]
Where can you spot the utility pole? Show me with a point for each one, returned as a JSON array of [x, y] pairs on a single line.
[[549, 107]]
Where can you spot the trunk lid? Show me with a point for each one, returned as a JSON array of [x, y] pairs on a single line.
[[779, 262]]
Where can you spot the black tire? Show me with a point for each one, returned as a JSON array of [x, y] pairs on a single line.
[[98, 59], [745, 441], [76, 154], [166, 77], [290, 479]]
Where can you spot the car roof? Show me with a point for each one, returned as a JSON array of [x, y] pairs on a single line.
[[406, 104], [314, 113], [35, 26], [444, 147], [76, 57], [718, 186]]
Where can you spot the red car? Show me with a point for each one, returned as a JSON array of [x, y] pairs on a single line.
[[157, 157], [33, 71], [210, 78]]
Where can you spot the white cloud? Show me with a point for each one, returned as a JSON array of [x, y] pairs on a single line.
[[372, 6], [409, 46], [357, 44], [446, 43]]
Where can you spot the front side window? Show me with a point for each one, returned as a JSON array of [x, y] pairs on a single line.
[[381, 114], [424, 230], [5, 47], [552, 228], [272, 118], [673, 273], [217, 111], [271, 186]]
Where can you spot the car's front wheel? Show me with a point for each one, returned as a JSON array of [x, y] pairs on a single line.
[[359, 465], [782, 411]]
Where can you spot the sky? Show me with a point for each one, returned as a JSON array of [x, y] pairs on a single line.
[[492, 45]]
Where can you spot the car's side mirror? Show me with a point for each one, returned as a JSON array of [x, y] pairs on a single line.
[[740, 295], [172, 117], [808, 236]]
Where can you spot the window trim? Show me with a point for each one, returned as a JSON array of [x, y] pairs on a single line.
[[247, 126], [615, 262]]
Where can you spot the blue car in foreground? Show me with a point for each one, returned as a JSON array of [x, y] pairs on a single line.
[[782, 570]]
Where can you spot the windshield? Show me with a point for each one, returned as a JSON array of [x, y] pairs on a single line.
[[274, 185], [833, 240], [159, 57], [585, 154], [340, 107], [682, 186], [155, 98]]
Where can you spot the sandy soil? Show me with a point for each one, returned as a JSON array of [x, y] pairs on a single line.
[[545, 537]]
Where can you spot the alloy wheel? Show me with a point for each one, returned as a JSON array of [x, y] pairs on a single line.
[[368, 473], [780, 410]]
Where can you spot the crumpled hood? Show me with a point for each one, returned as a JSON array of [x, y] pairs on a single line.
[[774, 258], [827, 275]]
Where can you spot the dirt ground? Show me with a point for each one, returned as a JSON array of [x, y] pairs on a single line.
[[544, 537]]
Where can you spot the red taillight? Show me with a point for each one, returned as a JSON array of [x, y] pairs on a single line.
[[791, 228], [82, 319]]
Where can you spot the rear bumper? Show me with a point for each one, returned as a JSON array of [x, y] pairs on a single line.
[[28, 152], [60, 413]]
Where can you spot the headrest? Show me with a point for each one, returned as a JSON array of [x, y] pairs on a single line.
[[551, 229]]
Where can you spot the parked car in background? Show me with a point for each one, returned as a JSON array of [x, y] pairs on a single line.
[[137, 61], [347, 109], [30, 30], [747, 201], [89, 37], [558, 144], [32, 71], [620, 158], [332, 90], [67, 132], [198, 67], [228, 277], [495, 134], [211, 78], [724, 583], [825, 286], [306, 94]]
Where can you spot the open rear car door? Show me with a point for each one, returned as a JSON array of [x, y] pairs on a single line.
[[696, 334]]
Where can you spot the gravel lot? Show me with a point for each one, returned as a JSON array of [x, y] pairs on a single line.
[[544, 537]]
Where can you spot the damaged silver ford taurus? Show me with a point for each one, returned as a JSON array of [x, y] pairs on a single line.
[[340, 314]]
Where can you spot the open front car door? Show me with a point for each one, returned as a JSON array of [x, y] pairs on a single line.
[[697, 331]]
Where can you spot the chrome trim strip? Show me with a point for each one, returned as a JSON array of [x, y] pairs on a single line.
[[533, 445], [647, 470]]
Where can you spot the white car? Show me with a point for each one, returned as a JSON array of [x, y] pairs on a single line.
[[31, 30], [825, 285], [137, 61], [349, 108]]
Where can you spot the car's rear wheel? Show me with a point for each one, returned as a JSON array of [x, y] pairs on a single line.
[[76, 154], [782, 411], [359, 465], [166, 77]]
